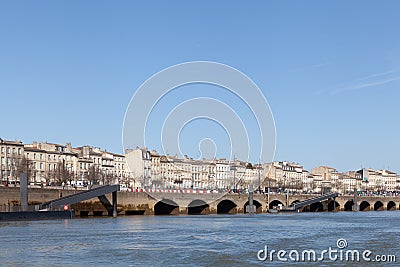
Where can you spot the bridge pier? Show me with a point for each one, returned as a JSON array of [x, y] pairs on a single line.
[[334, 204], [356, 207], [114, 202]]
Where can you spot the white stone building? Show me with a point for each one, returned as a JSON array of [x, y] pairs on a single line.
[[11, 153], [171, 172]]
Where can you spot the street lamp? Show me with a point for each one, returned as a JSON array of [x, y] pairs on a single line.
[[7, 176], [259, 177], [284, 181], [233, 168]]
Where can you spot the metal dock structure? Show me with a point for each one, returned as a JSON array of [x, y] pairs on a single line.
[[99, 192]]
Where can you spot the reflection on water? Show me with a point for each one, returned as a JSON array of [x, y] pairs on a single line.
[[212, 240]]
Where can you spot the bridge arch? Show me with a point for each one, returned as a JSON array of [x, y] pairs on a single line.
[[365, 206], [294, 202], [166, 207], [226, 206], [348, 206], [391, 205], [256, 203], [316, 207], [198, 206], [333, 205], [274, 203], [378, 206]]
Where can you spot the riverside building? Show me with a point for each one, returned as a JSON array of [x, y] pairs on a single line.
[[54, 164]]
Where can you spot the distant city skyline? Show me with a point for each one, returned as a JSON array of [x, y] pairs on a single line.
[[289, 161], [140, 167], [330, 72]]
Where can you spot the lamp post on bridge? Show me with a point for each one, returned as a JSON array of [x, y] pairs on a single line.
[[2, 177], [284, 182], [259, 177], [233, 168]]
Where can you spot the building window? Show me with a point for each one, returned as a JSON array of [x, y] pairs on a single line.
[[34, 155], [8, 150], [19, 151], [2, 149], [40, 156], [41, 166]]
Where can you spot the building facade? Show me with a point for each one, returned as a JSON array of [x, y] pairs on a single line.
[[151, 170], [51, 163], [12, 163]]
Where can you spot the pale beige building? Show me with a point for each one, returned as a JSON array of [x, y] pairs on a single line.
[[11, 153], [139, 163], [49, 163], [286, 174], [330, 177], [388, 180], [152, 170]]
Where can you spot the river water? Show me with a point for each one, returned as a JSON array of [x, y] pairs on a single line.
[[202, 240]]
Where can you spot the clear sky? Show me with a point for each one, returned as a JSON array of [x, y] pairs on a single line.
[[329, 70]]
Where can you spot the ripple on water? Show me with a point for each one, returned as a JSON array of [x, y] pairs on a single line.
[[227, 240]]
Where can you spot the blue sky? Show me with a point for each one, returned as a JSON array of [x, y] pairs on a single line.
[[329, 70]]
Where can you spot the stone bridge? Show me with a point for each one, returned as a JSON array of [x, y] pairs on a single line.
[[130, 203], [181, 203]]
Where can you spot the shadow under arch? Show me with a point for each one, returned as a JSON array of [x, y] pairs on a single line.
[[348, 206], [333, 205], [256, 203], [391, 205], [274, 203], [166, 207], [378, 206], [365, 206], [226, 206], [316, 207], [197, 207]]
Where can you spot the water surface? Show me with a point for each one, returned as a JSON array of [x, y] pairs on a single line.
[[211, 240]]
